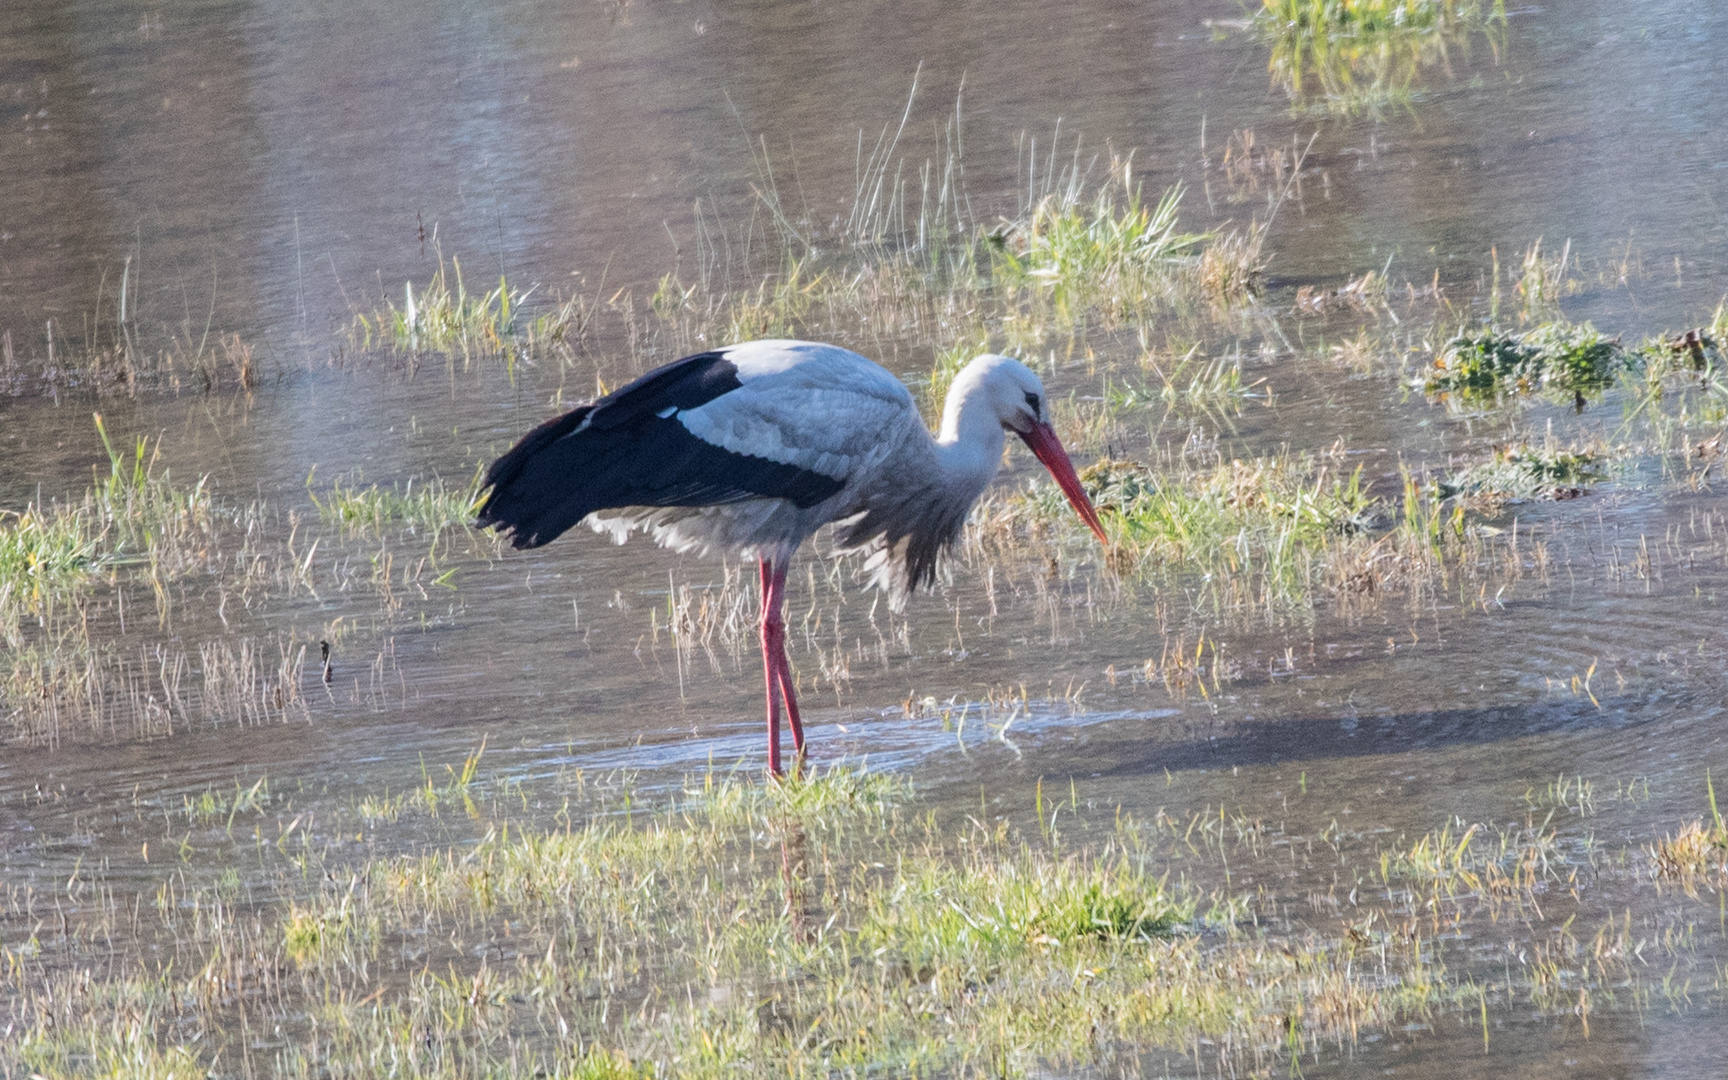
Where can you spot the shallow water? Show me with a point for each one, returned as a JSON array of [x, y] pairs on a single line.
[[269, 169]]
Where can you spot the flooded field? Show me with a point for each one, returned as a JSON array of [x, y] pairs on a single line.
[[1383, 739]]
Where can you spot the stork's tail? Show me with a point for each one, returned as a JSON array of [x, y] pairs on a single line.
[[533, 500]]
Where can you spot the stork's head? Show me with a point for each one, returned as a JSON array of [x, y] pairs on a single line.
[[1016, 396]]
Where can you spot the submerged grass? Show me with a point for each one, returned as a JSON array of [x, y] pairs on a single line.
[[1462, 864], [1526, 472], [135, 516], [111, 353], [1698, 851], [1486, 367], [1264, 536], [1356, 56], [820, 928], [95, 590], [430, 507], [443, 316]]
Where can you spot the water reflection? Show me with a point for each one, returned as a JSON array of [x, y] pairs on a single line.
[[1363, 58]]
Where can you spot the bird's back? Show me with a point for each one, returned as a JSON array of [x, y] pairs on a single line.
[[776, 430]]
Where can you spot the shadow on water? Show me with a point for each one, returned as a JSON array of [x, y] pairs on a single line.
[[1334, 738]]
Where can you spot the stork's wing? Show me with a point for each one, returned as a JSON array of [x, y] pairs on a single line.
[[765, 420], [821, 408]]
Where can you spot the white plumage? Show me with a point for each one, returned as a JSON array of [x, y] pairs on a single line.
[[754, 447]]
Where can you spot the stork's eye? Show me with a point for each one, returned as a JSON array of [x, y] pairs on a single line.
[[1032, 400]]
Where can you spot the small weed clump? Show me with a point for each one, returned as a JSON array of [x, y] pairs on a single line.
[[444, 317], [1525, 472], [1488, 367], [135, 516], [1697, 354], [1697, 850], [1110, 249], [1193, 385], [43, 550], [1692, 852], [1355, 56], [430, 507], [1473, 863]]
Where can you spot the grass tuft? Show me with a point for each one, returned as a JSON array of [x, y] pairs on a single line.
[[443, 316], [1697, 849], [136, 515], [1111, 249], [1361, 56], [42, 551], [431, 506], [1488, 367], [1525, 472]]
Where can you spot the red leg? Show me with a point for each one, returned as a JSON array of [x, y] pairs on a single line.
[[772, 632], [776, 667], [790, 696]]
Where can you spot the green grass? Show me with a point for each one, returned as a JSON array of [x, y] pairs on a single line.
[[1673, 384], [444, 317], [1257, 535], [423, 506], [1361, 56], [1525, 472], [911, 261], [138, 509], [1108, 248], [1344, 18], [1274, 536], [948, 363], [42, 552], [136, 515], [819, 928], [1488, 366], [1175, 516]]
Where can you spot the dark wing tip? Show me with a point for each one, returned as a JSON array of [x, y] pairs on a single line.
[[521, 533], [515, 503]]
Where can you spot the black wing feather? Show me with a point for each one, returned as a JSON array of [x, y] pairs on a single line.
[[620, 451]]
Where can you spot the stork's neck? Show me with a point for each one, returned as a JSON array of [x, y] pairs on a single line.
[[970, 442]]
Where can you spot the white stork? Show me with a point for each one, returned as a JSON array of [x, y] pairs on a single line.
[[753, 447]]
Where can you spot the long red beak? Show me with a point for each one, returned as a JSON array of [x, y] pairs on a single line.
[[1047, 447]]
